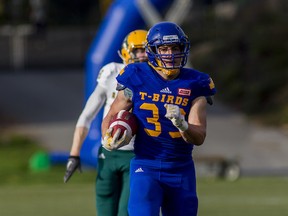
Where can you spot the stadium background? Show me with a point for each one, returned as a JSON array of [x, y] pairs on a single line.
[[242, 44]]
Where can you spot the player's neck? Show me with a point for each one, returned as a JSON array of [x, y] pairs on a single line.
[[168, 76]]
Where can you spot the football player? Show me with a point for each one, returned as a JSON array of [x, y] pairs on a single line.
[[112, 183], [169, 102]]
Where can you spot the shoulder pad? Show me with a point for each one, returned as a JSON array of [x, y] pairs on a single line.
[[129, 76], [108, 70]]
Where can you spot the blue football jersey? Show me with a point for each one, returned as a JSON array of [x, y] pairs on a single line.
[[157, 137]]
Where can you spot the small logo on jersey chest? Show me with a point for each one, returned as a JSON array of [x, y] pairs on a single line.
[[166, 90], [113, 95], [184, 92]]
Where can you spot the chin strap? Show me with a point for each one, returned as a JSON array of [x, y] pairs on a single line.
[[165, 71]]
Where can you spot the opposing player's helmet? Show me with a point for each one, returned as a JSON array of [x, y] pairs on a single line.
[[134, 40], [166, 33]]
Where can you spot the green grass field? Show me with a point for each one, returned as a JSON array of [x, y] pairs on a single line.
[[26, 192], [247, 196], [257, 196]]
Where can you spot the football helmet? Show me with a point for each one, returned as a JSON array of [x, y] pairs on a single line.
[[167, 33], [134, 40]]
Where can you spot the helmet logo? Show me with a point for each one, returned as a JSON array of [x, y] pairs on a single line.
[[170, 38]]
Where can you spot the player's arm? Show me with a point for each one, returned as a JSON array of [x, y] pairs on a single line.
[[121, 102], [196, 131], [91, 109], [193, 131]]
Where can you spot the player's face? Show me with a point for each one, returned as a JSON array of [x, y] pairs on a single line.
[[168, 51], [140, 54]]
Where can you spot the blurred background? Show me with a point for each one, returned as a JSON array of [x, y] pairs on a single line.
[[241, 44]]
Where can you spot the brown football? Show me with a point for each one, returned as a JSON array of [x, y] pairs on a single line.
[[124, 120]]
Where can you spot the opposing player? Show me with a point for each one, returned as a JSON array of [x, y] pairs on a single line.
[[112, 183], [169, 102]]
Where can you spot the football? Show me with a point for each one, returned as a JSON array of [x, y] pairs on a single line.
[[124, 120]]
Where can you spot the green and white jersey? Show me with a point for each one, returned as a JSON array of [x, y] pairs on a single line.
[[107, 80], [103, 95]]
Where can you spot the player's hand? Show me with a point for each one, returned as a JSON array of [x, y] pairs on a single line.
[[112, 143], [173, 113], [124, 140], [107, 140], [73, 164]]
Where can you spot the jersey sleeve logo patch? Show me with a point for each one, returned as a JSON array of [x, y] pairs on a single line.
[[100, 73], [184, 92], [211, 84]]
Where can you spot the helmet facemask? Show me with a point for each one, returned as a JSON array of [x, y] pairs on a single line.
[[178, 60], [167, 34]]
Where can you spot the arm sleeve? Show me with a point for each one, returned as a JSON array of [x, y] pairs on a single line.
[[92, 107], [127, 78], [205, 86], [209, 100]]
